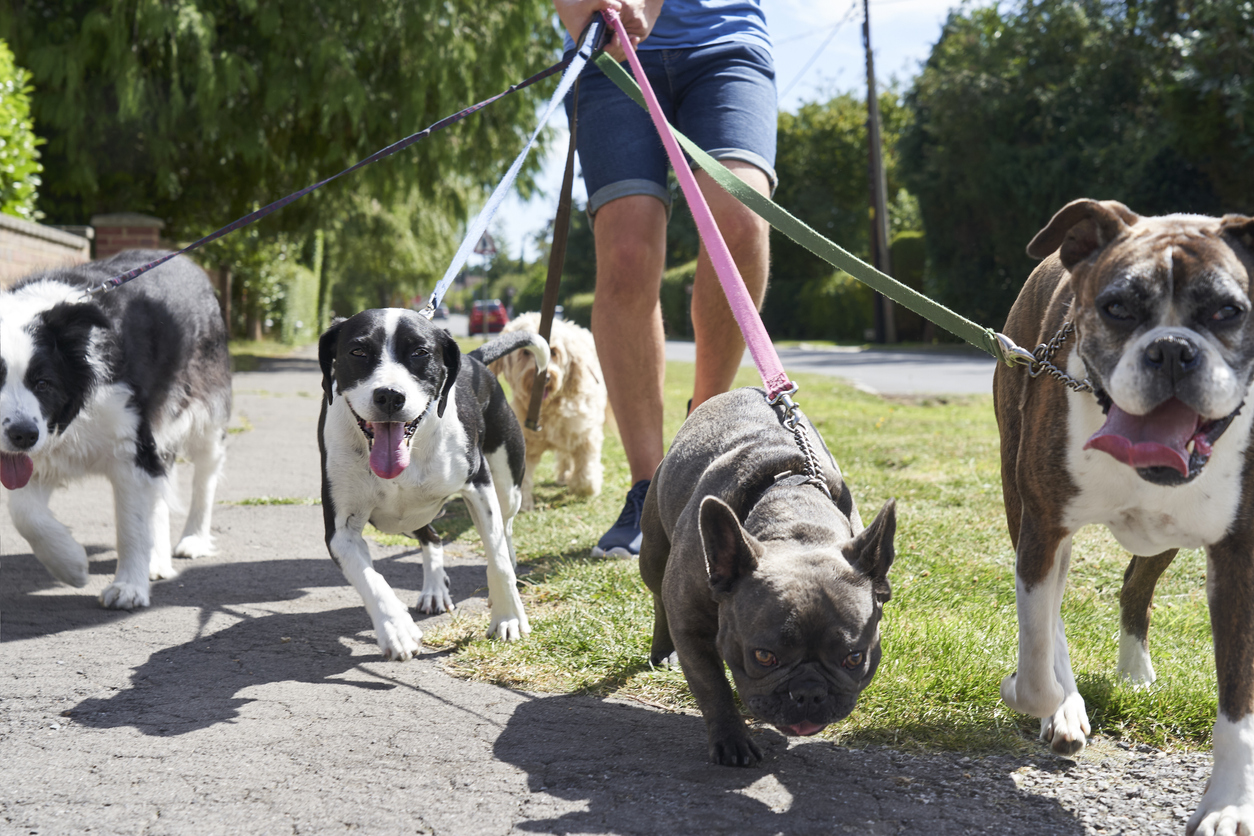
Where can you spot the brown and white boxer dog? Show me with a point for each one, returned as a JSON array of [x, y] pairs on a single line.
[[1159, 453]]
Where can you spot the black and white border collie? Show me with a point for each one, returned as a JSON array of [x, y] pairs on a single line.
[[117, 384], [407, 423]]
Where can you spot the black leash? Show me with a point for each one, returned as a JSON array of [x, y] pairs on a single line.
[[557, 261], [119, 280]]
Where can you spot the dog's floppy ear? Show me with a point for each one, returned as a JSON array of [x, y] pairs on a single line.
[[1081, 228], [452, 357], [72, 324], [1241, 228], [872, 553], [731, 553], [328, 343]]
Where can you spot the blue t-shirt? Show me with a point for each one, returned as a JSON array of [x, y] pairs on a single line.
[[684, 24]]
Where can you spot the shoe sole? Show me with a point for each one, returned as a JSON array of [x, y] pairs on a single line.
[[617, 551]]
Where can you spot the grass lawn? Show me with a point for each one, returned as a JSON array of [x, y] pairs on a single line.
[[949, 631]]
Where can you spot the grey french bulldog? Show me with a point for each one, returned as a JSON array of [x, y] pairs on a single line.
[[751, 564]]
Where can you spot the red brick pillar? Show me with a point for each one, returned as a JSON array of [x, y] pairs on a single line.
[[126, 231]]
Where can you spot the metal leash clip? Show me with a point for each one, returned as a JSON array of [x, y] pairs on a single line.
[[1041, 360], [792, 420]]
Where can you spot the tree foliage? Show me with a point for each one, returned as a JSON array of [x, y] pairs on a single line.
[[19, 155], [823, 167], [197, 110], [1023, 108]]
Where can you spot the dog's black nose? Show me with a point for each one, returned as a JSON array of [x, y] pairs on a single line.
[[1173, 354], [389, 400], [24, 435], [807, 692]]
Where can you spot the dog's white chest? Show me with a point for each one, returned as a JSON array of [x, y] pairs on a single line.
[[1146, 518]]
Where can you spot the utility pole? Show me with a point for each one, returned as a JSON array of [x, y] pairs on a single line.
[[885, 327]]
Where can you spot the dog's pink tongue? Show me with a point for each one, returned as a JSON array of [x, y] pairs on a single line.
[[389, 454], [1154, 440], [15, 470], [805, 729]]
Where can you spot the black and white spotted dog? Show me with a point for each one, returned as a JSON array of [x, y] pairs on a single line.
[[116, 384], [407, 423]]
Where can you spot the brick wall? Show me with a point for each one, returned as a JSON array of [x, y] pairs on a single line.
[[126, 231], [26, 247]]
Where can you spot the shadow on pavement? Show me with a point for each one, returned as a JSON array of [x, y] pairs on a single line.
[[633, 770]]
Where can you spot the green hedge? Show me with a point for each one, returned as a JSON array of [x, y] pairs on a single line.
[[19, 159]]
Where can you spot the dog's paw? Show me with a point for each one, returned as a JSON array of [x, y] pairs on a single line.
[[1042, 701], [67, 564], [528, 503], [195, 545], [435, 596], [734, 747], [1220, 820], [669, 661], [1066, 729], [399, 638], [161, 570], [509, 628], [124, 596]]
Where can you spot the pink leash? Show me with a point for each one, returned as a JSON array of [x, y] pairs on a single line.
[[746, 313]]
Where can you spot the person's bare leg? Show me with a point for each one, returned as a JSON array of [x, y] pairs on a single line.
[[719, 344], [627, 323]]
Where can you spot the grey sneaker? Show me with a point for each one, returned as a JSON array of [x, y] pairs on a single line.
[[623, 538]]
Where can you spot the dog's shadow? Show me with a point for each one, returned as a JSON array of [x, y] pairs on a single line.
[[597, 755], [196, 684]]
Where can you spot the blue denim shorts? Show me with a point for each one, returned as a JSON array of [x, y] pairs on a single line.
[[722, 97]]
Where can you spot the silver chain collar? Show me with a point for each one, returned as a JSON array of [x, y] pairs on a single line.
[[1041, 360], [792, 419]]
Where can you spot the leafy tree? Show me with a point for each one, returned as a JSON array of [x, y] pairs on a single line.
[[19, 157], [197, 110], [1021, 109], [823, 179]]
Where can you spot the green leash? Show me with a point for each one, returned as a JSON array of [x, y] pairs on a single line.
[[985, 339]]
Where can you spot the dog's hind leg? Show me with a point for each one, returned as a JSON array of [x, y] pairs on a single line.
[[51, 541], [435, 591], [208, 458], [655, 550], [508, 620], [1135, 600], [160, 565]]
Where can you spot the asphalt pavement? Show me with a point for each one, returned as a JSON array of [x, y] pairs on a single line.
[[251, 698]]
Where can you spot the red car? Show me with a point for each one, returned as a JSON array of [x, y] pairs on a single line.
[[488, 316]]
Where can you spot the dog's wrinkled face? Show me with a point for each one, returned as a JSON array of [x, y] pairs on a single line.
[[1162, 309], [46, 373], [802, 639], [393, 369]]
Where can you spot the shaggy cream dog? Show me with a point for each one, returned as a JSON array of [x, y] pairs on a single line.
[[573, 413]]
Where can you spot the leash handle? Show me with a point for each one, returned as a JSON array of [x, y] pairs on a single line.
[[743, 309]]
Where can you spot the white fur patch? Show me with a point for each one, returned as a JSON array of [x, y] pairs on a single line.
[[1228, 805]]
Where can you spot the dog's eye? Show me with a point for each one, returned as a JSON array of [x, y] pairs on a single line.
[[854, 660], [1117, 311], [42, 386], [765, 658], [1226, 314], [358, 352], [421, 352]]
